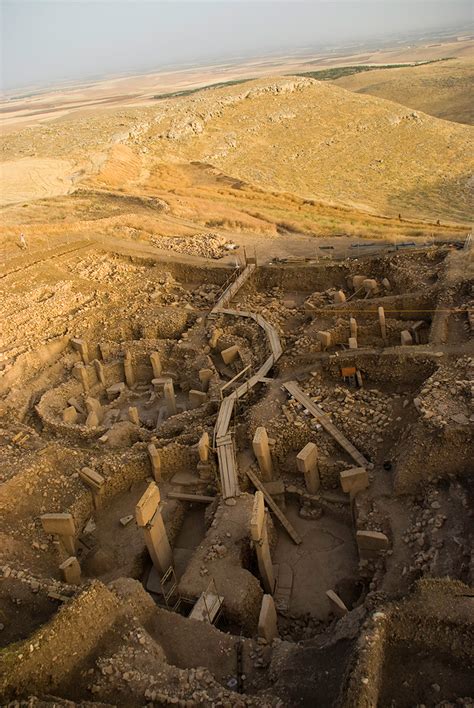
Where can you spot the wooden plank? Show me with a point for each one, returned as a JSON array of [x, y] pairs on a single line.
[[274, 507], [293, 388], [198, 498]]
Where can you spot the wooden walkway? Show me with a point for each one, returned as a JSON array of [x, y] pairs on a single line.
[[293, 388], [222, 438], [233, 288]]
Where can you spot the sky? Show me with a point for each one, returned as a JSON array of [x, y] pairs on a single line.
[[44, 42]]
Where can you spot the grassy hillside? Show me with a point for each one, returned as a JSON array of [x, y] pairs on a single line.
[[270, 157], [442, 89]]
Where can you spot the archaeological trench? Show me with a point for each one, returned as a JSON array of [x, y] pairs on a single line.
[[234, 486]]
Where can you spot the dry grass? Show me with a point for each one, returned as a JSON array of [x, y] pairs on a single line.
[[443, 89]]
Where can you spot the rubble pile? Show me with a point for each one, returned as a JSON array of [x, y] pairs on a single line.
[[447, 398], [206, 245]]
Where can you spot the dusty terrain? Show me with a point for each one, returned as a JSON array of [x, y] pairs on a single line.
[[443, 89], [237, 367]]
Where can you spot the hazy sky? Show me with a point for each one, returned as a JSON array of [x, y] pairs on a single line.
[[44, 41]]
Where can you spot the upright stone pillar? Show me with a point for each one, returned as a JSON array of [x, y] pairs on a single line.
[[353, 326], [93, 406], [99, 371], [383, 329], [83, 377], [168, 390], [325, 339], [205, 376], [148, 516], [258, 532], [81, 346], [307, 463], [261, 449], [268, 621], [133, 415], [156, 364], [71, 571], [128, 370], [203, 447], [62, 526], [96, 484], [155, 461]]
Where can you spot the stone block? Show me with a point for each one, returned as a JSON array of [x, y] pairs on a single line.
[[371, 541], [147, 504], [92, 478], [324, 338], [370, 286], [357, 281], [93, 406], [405, 338], [70, 415], [71, 571], [354, 480], [92, 420], [352, 343], [229, 355], [205, 375], [196, 398], [386, 283], [339, 297], [133, 415], [267, 620], [58, 524], [115, 390]]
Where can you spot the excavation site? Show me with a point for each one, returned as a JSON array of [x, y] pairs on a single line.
[[236, 354], [235, 483]]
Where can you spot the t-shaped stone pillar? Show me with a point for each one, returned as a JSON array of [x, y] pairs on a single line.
[[96, 484], [71, 571], [261, 449], [258, 532], [128, 370], [148, 516], [156, 364], [307, 463], [155, 460], [168, 390], [62, 526], [383, 329]]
